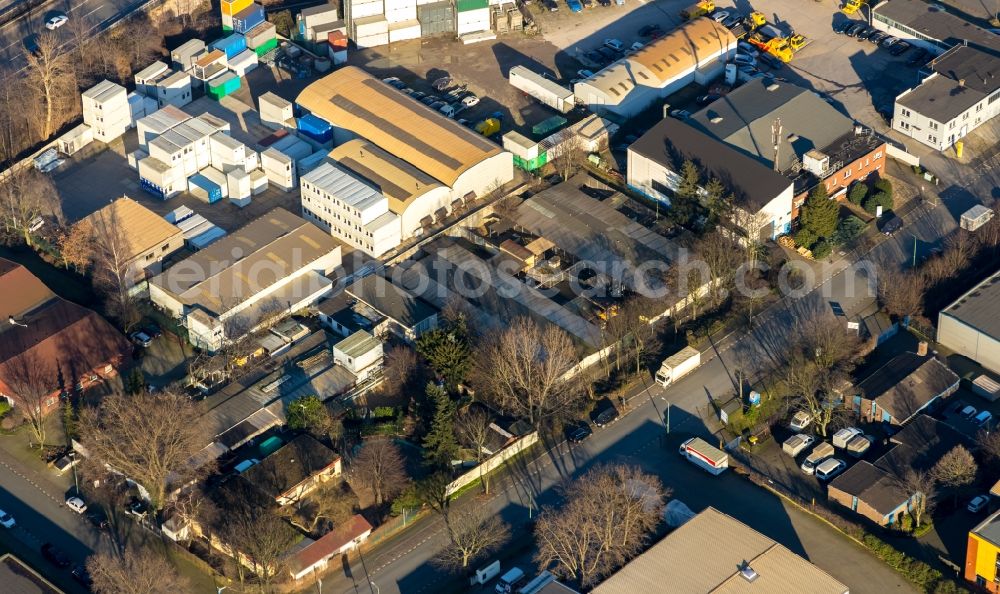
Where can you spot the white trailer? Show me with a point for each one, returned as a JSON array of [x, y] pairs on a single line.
[[548, 92], [678, 365], [844, 436], [700, 453], [976, 217]]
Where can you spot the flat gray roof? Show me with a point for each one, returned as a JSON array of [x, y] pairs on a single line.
[[980, 307], [940, 98], [933, 23], [978, 69]]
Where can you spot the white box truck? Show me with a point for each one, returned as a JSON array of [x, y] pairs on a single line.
[[678, 365], [700, 453]]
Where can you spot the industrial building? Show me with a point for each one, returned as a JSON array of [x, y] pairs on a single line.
[[816, 143], [697, 51], [548, 92], [958, 96], [762, 194], [357, 104], [981, 554], [273, 266], [971, 325], [930, 26]]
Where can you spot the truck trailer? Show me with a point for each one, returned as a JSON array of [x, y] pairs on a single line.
[[544, 90], [700, 453], [678, 365]]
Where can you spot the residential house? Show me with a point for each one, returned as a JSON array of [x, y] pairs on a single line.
[[875, 489], [316, 555], [48, 345], [715, 553], [902, 388], [295, 470], [959, 95], [816, 143], [982, 554], [970, 326], [144, 237], [268, 269], [409, 316]]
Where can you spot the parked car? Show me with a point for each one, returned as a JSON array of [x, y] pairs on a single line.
[[55, 555], [552, 5], [878, 38], [55, 21], [745, 48], [771, 62], [706, 99], [574, 5], [720, 15], [680, 114], [918, 58], [82, 576], [76, 504], [983, 418], [830, 468], [843, 26], [608, 54], [588, 3], [6, 520], [968, 412], [605, 416], [856, 28], [800, 421], [898, 49], [636, 46], [470, 101], [584, 73], [614, 44], [152, 330], [140, 338], [978, 503], [648, 30], [429, 100], [442, 83], [891, 225], [98, 520], [577, 432], [865, 33], [595, 57], [889, 41], [604, 3]]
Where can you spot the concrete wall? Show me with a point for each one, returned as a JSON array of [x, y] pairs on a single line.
[[492, 463]]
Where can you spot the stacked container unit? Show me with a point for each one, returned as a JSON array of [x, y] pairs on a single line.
[[76, 139], [243, 63], [232, 45], [183, 57], [161, 179], [209, 65], [279, 168], [436, 18], [400, 11], [315, 128], [472, 16], [145, 79], [174, 89], [258, 182], [338, 46], [198, 153], [404, 30], [157, 123], [371, 31], [248, 18], [231, 8], [219, 178], [310, 19], [262, 38], [106, 110], [275, 112], [228, 154], [139, 106], [240, 189], [222, 86], [294, 147], [204, 189], [135, 156]]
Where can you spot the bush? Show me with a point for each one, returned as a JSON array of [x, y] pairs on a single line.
[[822, 249], [848, 230], [883, 185], [857, 193], [880, 199], [4, 408], [805, 237]]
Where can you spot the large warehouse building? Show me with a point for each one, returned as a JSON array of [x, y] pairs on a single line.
[[971, 325], [359, 105], [696, 51]]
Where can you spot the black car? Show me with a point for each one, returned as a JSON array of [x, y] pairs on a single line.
[[153, 330], [772, 62], [609, 54], [605, 416], [98, 520], [878, 37], [892, 224], [854, 29], [843, 26], [577, 432], [918, 58], [706, 99], [866, 32], [899, 48], [55, 556], [81, 575]]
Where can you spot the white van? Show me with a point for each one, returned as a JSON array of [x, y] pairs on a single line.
[[509, 580], [830, 468]]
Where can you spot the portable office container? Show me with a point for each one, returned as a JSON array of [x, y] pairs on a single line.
[[279, 168], [261, 34], [160, 178], [157, 123], [218, 177], [223, 85], [238, 182], [204, 189], [472, 20], [232, 45], [311, 162], [135, 156], [252, 161], [174, 90], [266, 48], [243, 63], [209, 64], [184, 56], [368, 26], [145, 79], [136, 107], [293, 146], [376, 40], [400, 12], [227, 23], [338, 57], [248, 18], [76, 139], [227, 152], [315, 127], [258, 182], [361, 10], [310, 20], [404, 31], [233, 7]]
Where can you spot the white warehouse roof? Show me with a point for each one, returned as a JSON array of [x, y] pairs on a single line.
[[338, 182]]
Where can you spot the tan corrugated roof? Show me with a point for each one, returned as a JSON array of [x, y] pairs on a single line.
[[352, 99], [704, 554], [141, 228], [683, 48], [399, 181]]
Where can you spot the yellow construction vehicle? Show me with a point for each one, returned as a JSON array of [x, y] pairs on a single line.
[[852, 6], [748, 25], [769, 39], [796, 42], [696, 10]]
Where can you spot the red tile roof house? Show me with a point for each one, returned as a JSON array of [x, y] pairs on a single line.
[[46, 340], [314, 556]]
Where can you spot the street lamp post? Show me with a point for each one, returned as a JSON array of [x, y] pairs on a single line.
[[373, 585]]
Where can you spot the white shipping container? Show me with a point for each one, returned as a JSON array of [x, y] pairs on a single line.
[[401, 14], [422, 2], [376, 40], [404, 31], [183, 56], [227, 152], [243, 62], [76, 139], [157, 123], [136, 107], [163, 149], [294, 147], [160, 173], [145, 79], [239, 184], [371, 26], [258, 182], [338, 57], [241, 202], [135, 156], [274, 160], [472, 21], [275, 111], [361, 10], [174, 90], [217, 177], [252, 161], [391, 5]]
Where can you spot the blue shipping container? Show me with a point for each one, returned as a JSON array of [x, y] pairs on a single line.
[[232, 45], [316, 128], [211, 188], [152, 188], [248, 18]]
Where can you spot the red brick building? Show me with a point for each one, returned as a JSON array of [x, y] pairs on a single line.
[[837, 182], [49, 345]]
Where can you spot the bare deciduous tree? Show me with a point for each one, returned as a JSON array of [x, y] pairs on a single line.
[[32, 385], [50, 74], [24, 197], [608, 515], [379, 466], [901, 293], [114, 268], [400, 364], [136, 571], [473, 427], [523, 370], [722, 258], [151, 438], [919, 486], [471, 534], [955, 470]]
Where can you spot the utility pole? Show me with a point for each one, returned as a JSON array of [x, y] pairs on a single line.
[[776, 140], [914, 264]]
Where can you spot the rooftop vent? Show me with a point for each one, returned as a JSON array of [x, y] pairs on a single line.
[[773, 87], [748, 572], [716, 119]]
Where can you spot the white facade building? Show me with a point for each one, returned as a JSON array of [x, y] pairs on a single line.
[[361, 353], [106, 110]]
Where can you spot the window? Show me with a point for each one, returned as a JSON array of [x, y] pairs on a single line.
[[979, 107], [165, 246], [878, 155], [951, 125], [905, 112], [932, 139], [934, 126], [847, 174]]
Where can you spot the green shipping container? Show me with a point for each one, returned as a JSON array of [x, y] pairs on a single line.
[[223, 86], [226, 29], [266, 47], [467, 5], [531, 164]]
